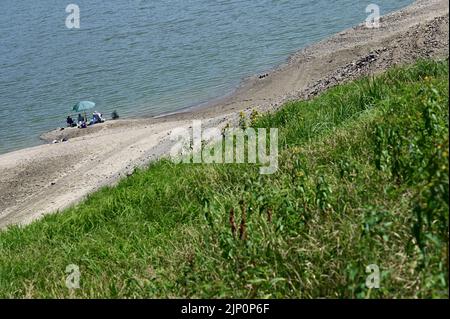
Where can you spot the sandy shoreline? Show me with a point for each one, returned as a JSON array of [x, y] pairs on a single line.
[[48, 178]]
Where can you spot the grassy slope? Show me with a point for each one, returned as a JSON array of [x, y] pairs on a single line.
[[363, 179]]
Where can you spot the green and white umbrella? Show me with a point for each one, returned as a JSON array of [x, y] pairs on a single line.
[[83, 106]]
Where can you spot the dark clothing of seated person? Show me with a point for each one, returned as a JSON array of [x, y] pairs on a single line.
[[70, 122]]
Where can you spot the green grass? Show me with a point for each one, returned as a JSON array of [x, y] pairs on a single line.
[[363, 179]]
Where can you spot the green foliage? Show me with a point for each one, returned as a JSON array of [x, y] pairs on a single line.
[[363, 179], [243, 123]]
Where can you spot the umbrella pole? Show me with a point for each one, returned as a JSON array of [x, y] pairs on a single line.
[[85, 117]]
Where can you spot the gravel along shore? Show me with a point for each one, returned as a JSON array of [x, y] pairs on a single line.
[[48, 178]]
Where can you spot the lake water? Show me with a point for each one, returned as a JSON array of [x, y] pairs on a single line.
[[146, 57]]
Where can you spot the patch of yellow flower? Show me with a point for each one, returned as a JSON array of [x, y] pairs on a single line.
[[296, 150]]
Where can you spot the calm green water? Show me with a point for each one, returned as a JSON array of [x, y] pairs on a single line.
[[146, 57]]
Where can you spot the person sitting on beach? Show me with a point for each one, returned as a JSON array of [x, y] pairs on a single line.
[[96, 118], [99, 116], [82, 124], [70, 122]]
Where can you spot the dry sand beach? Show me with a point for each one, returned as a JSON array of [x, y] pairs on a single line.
[[48, 178]]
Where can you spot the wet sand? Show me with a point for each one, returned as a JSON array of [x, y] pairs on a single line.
[[48, 178]]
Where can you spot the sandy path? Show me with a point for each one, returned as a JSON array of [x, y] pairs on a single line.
[[51, 177], [48, 178]]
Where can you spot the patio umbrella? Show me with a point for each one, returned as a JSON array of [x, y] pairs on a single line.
[[82, 106]]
